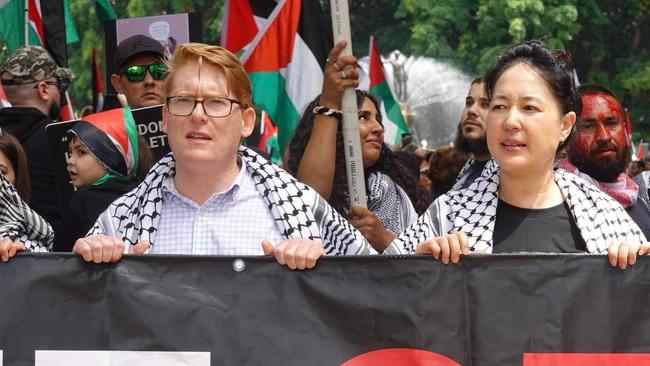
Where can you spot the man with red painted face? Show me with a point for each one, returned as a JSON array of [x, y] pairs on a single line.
[[599, 151]]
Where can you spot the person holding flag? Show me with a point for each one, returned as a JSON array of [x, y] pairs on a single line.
[[316, 157]]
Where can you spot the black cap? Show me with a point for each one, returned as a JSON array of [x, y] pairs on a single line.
[[136, 45]]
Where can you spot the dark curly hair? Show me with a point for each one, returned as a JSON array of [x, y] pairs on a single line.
[[387, 163]]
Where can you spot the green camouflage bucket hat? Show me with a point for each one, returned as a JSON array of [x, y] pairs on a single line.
[[29, 64]]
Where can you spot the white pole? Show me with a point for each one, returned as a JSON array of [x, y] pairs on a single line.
[[26, 22], [351, 140]]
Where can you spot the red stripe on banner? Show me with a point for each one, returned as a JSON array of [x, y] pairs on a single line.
[[402, 357], [586, 359], [274, 50], [376, 69]]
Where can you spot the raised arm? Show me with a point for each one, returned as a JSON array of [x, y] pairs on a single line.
[[317, 165]]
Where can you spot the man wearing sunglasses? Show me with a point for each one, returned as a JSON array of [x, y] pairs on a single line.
[[140, 71], [211, 196], [34, 85]]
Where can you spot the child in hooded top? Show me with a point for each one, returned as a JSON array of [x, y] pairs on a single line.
[[103, 158]]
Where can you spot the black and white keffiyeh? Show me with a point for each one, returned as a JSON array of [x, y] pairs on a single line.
[[297, 209], [464, 172], [600, 219], [643, 180], [390, 203], [20, 223]]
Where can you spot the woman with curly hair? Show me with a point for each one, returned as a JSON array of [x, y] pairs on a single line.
[[317, 158]]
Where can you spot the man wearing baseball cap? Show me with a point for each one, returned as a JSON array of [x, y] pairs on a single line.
[[140, 71], [34, 84]]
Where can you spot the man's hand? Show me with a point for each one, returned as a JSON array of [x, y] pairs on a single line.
[[624, 254], [105, 249], [296, 253], [372, 229], [445, 248], [9, 248]]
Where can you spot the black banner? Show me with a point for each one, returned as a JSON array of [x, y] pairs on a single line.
[[535, 310]]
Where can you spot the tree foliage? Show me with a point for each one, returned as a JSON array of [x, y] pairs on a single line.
[[609, 40]]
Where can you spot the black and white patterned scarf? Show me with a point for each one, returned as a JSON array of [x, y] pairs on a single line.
[[297, 209], [600, 219], [20, 223], [390, 203]]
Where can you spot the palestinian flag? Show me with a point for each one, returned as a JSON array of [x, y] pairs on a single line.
[[112, 136], [269, 138], [12, 23], [98, 85], [4, 102], [394, 124], [241, 21], [286, 60]]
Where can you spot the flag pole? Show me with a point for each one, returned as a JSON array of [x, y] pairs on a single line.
[[351, 141], [26, 22]]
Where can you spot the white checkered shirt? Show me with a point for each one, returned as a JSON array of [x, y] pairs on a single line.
[[232, 222]]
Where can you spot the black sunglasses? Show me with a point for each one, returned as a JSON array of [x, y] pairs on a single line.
[[137, 73]]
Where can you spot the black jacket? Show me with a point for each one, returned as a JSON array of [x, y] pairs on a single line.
[[83, 209], [28, 125]]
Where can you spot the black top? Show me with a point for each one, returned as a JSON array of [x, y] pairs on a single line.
[[549, 230], [474, 172], [83, 209], [28, 125], [640, 213]]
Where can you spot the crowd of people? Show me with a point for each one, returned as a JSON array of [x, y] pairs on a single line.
[[538, 165]]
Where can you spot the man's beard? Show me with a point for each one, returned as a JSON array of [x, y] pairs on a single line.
[[476, 146], [55, 111], [603, 170]]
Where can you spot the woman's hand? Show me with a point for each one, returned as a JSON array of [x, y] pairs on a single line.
[[370, 227], [445, 248], [624, 254], [340, 73]]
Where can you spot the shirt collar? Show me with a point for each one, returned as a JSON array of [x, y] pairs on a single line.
[[229, 194]]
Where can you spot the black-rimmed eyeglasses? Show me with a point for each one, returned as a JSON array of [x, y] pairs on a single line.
[[213, 107]]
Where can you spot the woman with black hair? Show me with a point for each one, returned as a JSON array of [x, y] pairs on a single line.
[[317, 158], [520, 203]]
